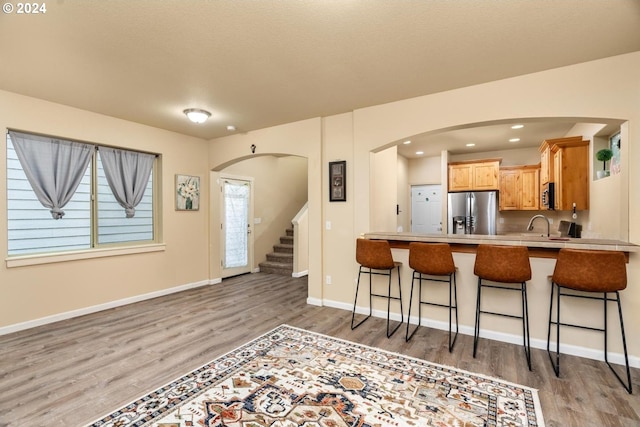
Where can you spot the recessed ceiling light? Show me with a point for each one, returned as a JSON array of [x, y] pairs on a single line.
[[471, 144], [419, 152], [514, 140], [231, 128], [407, 142], [196, 115], [517, 126]]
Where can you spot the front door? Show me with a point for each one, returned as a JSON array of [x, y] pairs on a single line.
[[236, 239]]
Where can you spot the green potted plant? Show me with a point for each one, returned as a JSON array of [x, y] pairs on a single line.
[[604, 155]]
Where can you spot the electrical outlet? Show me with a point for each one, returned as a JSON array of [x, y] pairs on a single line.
[[328, 280], [328, 225]]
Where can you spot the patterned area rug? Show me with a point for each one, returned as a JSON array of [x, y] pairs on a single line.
[[290, 377]]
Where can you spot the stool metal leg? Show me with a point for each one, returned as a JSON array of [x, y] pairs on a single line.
[[525, 316], [355, 301], [555, 364], [628, 385], [525, 324], [455, 306], [408, 335], [389, 298], [476, 331]]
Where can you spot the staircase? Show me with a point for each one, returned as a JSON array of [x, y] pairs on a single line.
[[280, 261]]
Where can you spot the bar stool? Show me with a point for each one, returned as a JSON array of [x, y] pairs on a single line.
[[428, 260], [589, 272], [374, 257], [507, 268]]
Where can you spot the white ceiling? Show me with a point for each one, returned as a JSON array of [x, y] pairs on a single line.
[[255, 64]]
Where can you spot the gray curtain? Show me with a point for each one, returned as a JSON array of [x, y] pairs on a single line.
[[53, 167], [127, 173]]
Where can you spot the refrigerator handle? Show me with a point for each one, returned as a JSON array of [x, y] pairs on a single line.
[[472, 213]]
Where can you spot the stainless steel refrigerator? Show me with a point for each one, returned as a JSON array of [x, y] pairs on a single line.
[[473, 212]]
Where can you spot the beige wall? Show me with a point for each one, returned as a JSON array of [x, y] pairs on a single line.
[[279, 191], [403, 220], [337, 144], [425, 170], [384, 190], [35, 292], [605, 88], [301, 139], [513, 157]]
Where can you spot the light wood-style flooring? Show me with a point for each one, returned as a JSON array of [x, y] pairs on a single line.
[[72, 372]]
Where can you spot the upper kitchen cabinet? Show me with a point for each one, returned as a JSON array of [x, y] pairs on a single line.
[[476, 175], [520, 188], [565, 162]]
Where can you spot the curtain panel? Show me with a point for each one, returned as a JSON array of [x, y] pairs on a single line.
[[54, 167], [127, 173]]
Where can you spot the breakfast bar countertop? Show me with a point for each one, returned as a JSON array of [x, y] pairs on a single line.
[[532, 241]]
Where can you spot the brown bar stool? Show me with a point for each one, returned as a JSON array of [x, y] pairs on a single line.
[[428, 260], [507, 268], [374, 257], [589, 272]]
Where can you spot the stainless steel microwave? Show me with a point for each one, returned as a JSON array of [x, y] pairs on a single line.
[[548, 196]]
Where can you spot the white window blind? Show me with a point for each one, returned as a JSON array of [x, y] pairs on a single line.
[[32, 230]]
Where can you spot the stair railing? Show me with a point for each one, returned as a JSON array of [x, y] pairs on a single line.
[[301, 242]]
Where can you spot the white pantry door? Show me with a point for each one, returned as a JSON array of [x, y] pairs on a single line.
[[426, 209]]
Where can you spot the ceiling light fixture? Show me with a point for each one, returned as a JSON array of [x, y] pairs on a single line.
[[196, 115], [517, 126], [514, 140], [419, 153], [231, 128], [471, 144], [407, 142]]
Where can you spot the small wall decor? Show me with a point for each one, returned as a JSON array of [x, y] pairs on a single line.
[[187, 193], [338, 181]]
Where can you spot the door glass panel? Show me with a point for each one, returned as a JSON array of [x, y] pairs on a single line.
[[236, 209]]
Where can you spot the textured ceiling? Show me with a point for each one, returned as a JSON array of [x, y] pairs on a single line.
[[255, 64]]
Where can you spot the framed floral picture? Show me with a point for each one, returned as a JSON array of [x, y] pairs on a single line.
[[187, 193]]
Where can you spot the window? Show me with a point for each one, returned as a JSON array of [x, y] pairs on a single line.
[[86, 223]]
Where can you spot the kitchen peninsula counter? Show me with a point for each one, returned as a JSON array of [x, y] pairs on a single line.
[[539, 246]]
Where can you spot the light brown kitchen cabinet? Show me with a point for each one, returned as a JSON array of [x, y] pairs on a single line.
[[546, 167], [567, 165], [519, 188], [476, 175]]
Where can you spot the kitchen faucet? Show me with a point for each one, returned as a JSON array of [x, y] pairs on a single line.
[[530, 226]]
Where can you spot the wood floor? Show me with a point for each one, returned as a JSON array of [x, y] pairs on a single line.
[[72, 372]]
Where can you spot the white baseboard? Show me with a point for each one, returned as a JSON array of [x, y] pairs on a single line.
[[574, 350], [100, 307], [300, 274], [314, 301]]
